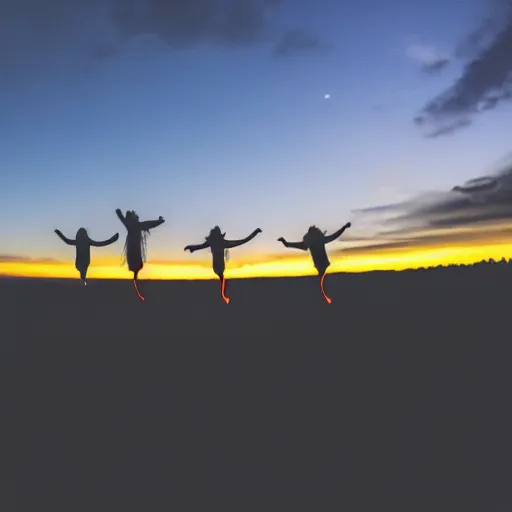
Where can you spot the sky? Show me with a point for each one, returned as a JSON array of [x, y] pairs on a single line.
[[271, 114]]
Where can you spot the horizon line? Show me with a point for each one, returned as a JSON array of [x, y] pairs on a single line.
[[489, 261]]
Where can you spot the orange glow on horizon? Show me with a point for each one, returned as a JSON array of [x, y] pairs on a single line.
[[277, 266]]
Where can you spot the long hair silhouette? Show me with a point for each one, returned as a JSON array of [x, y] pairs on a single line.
[[135, 247], [219, 247], [83, 245], [314, 241]]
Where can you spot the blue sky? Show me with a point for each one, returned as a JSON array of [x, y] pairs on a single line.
[[230, 134]]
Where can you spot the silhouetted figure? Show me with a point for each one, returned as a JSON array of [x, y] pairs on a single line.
[[314, 241], [83, 246], [219, 245], [136, 242]]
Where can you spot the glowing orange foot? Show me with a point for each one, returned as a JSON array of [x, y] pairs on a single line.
[[226, 299], [137, 290], [327, 299]]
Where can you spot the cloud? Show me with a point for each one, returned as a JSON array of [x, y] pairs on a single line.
[[189, 22], [435, 67], [298, 41], [432, 61], [485, 82], [478, 39], [410, 240], [480, 209], [448, 128], [15, 258], [34, 33], [481, 199]]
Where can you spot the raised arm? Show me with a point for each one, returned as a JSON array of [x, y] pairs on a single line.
[[193, 248], [121, 217], [64, 239], [150, 224], [293, 245], [337, 234], [229, 244], [104, 243]]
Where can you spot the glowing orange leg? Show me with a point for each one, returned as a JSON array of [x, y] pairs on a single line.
[[327, 299], [223, 288], [137, 290]]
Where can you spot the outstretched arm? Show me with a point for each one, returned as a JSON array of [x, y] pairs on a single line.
[[229, 244], [150, 224], [337, 234], [293, 245], [193, 248], [110, 241], [64, 239], [121, 217]]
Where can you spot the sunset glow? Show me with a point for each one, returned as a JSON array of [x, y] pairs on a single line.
[[301, 265]]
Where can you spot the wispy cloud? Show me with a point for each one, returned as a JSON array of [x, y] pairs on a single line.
[[15, 258], [486, 80], [431, 60], [475, 212], [299, 41], [448, 128], [190, 22], [32, 31], [420, 240]]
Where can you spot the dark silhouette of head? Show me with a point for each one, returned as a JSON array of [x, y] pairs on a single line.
[[216, 235], [81, 234], [132, 217], [313, 236]]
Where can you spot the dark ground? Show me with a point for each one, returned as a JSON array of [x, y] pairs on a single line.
[[395, 397]]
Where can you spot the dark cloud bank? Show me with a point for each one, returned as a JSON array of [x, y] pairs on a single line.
[[32, 29], [486, 80], [479, 210]]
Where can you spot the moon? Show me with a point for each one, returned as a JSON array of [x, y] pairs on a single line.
[[327, 96]]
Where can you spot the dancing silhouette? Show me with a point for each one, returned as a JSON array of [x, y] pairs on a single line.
[[83, 246], [219, 245], [314, 241], [136, 242]]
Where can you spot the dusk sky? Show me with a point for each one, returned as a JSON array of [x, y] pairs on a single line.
[[256, 114]]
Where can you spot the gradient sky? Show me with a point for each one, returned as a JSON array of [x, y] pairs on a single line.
[[183, 109]]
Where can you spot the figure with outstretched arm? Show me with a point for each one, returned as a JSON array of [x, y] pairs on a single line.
[[136, 242], [314, 241], [83, 246], [218, 245]]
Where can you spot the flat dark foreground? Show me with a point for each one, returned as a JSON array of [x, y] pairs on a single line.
[[395, 397]]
